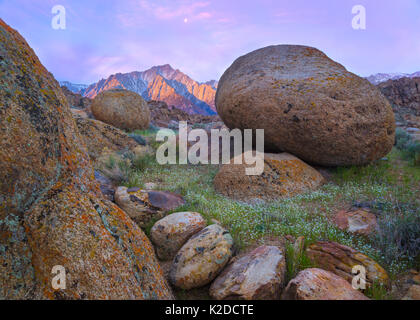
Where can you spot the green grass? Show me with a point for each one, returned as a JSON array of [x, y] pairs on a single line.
[[394, 185]]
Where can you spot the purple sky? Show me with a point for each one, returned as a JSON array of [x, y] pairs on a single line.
[[202, 38]]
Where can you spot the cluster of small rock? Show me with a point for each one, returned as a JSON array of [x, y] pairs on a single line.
[[202, 256]]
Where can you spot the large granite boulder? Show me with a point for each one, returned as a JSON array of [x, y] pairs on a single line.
[[308, 105], [284, 176], [52, 212], [123, 109]]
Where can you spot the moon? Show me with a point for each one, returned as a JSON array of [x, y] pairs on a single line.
[[185, 20]]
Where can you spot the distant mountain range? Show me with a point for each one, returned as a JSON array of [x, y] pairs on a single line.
[[382, 77], [162, 83]]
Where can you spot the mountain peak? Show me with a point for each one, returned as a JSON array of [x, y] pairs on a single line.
[[162, 83]]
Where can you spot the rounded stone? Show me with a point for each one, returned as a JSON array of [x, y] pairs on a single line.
[[308, 105], [202, 258], [123, 109], [170, 233], [284, 176]]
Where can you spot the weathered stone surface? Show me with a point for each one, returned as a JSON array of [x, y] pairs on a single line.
[[404, 92], [170, 233], [284, 176], [308, 105], [101, 137], [257, 276], [413, 293], [144, 205], [105, 185], [51, 210], [202, 258], [361, 222], [318, 284], [123, 109], [341, 259]]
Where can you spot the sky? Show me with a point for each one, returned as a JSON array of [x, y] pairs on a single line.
[[203, 38]]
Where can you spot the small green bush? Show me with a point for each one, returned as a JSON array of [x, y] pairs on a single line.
[[409, 148]]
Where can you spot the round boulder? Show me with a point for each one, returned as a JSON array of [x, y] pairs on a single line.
[[170, 233], [284, 176], [308, 105], [122, 108], [202, 258]]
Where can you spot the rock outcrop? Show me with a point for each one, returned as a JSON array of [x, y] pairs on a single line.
[[52, 212], [202, 258], [121, 108], [308, 105], [258, 275], [318, 284], [284, 176], [102, 138], [404, 92], [341, 259], [170, 233]]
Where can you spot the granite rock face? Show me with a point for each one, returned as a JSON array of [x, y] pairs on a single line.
[[102, 138], [308, 105], [52, 211]]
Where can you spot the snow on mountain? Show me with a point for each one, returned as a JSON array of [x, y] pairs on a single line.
[[382, 77], [161, 83]]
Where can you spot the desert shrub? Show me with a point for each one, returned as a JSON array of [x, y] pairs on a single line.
[[398, 236], [409, 148]]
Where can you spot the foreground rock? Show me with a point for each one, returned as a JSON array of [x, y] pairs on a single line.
[[257, 276], [170, 233], [202, 258], [284, 176], [122, 108], [102, 138], [144, 205], [52, 212], [308, 105], [318, 284], [361, 222], [413, 293], [341, 259]]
